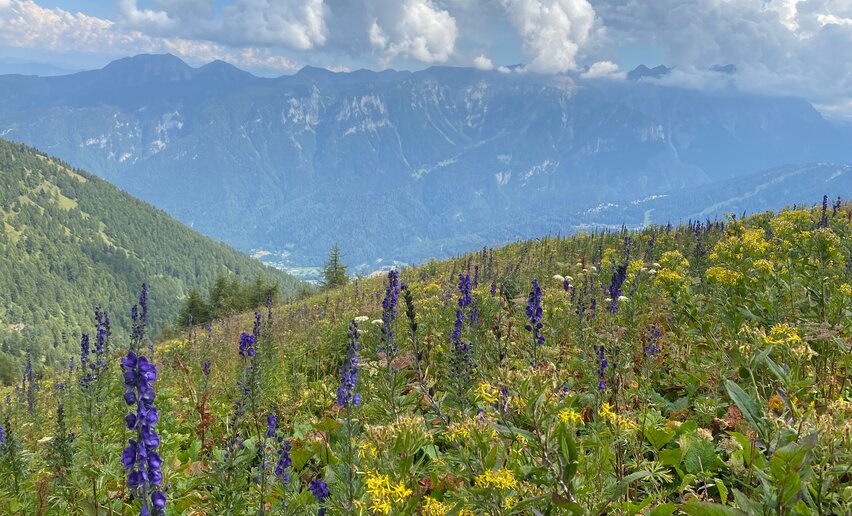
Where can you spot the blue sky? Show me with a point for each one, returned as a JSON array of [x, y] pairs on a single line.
[[785, 47]]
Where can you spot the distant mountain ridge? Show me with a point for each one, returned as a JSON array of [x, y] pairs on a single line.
[[70, 241], [398, 165]]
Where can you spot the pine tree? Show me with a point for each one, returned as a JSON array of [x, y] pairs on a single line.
[[334, 274], [195, 307]]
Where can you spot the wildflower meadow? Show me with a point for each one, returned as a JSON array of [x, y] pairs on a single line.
[[700, 369]]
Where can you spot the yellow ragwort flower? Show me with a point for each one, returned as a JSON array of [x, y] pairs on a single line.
[[487, 393], [432, 507], [499, 479], [383, 493], [571, 416], [616, 420], [724, 276]]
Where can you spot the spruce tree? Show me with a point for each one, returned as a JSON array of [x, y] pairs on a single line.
[[334, 274]]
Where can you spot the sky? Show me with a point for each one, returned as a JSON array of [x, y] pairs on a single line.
[[784, 47]]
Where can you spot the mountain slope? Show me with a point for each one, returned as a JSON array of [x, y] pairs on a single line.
[[70, 241], [753, 193], [459, 157]]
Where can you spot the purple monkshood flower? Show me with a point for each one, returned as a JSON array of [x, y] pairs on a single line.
[[389, 304], [602, 365], [139, 315], [535, 313], [461, 360], [653, 337], [271, 425], [617, 280], [465, 298], [140, 457], [247, 342], [2, 437], [205, 369], [284, 461], [102, 332], [346, 395], [320, 491], [256, 329]]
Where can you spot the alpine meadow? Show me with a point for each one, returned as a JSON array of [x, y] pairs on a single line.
[[425, 257]]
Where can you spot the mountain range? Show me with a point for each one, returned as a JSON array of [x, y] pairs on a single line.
[[402, 166], [70, 242]]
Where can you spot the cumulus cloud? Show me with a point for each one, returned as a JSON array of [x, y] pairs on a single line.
[[554, 31], [482, 62], [417, 29], [297, 24], [25, 24], [778, 46], [604, 70]]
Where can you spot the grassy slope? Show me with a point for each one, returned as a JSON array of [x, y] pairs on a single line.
[[727, 381]]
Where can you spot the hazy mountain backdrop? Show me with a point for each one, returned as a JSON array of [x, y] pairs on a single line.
[[408, 165]]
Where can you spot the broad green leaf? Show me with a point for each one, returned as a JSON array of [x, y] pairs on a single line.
[[709, 509], [746, 404], [658, 437]]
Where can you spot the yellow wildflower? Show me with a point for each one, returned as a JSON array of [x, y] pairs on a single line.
[[846, 289], [616, 420], [500, 479], [367, 449], [724, 276], [383, 493], [763, 265], [432, 507], [673, 260], [775, 404], [487, 393], [571, 416], [782, 333], [669, 277], [458, 432]]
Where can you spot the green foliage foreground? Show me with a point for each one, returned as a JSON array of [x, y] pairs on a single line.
[[697, 370]]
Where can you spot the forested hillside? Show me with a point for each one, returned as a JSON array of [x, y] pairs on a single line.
[[70, 242]]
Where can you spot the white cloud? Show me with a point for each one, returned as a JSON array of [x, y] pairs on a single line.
[[482, 62], [604, 70], [297, 24], [839, 110], [25, 24], [554, 31], [416, 29], [778, 46]]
